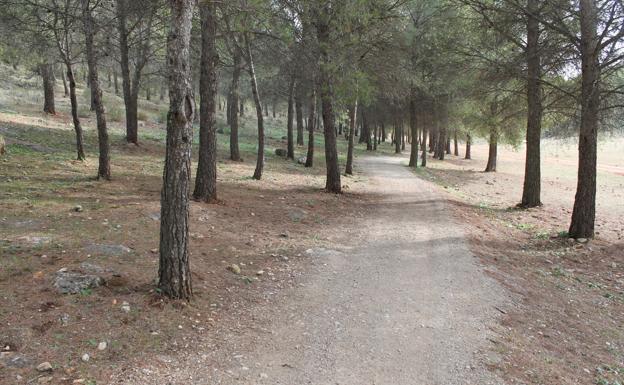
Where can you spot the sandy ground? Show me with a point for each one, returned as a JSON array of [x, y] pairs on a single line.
[[403, 302]]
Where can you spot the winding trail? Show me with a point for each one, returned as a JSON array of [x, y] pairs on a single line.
[[409, 305]]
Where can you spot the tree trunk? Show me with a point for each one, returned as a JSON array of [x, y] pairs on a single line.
[[397, 139], [414, 129], [468, 144], [256, 96], [47, 75], [311, 123], [532, 173], [74, 110], [233, 105], [116, 82], [104, 171], [423, 144], [206, 178], [366, 125], [65, 88], [299, 113], [131, 104], [351, 143], [290, 118], [584, 212], [455, 144], [174, 270], [383, 132], [376, 129], [491, 163]]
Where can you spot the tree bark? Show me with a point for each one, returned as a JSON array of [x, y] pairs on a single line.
[[584, 212], [65, 88], [468, 144], [47, 75], [104, 171], [352, 124], [74, 111], [311, 123], [174, 270], [299, 114], [132, 124], [206, 177], [290, 118], [413, 162], [423, 144], [493, 149], [532, 173], [233, 105], [455, 144], [256, 96]]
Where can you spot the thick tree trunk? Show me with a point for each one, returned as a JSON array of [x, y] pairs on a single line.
[[104, 171], [332, 182], [233, 105], [289, 124], [74, 110], [532, 173], [448, 143], [423, 144], [455, 144], [397, 138], [206, 178], [584, 212], [311, 123], [493, 149], [131, 103], [299, 113], [174, 270], [256, 96], [413, 162], [351, 143], [47, 75], [468, 144], [383, 132], [366, 125]]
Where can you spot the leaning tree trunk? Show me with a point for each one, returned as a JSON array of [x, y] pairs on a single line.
[[206, 178], [352, 124], [492, 154], [256, 96], [233, 104], [468, 144], [299, 114], [413, 162], [74, 111], [311, 123], [532, 173], [104, 171], [584, 212], [174, 275], [47, 75], [290, 118]]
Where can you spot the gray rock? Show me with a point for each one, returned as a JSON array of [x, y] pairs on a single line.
[[44, 367], [100, 249], [297, 215], [95, 269], [302, 160], [154, 216], [35, 241], [72, 283], [12, 360], [78, 209], [281, 152]]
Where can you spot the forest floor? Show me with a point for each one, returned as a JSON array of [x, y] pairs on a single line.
[[376, 275]]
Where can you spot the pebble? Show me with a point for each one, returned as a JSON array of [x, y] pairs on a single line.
[[125, 306], [85, 357], [78, 208], [44, 367], [102, 345], [260, 272], [234, 268]]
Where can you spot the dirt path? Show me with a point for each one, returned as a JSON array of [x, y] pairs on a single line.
[[407, 305]]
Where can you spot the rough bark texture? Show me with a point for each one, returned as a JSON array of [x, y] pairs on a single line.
[[413, 162], [299, 114], [493, 148], [468, 144], [174, 271], [289, 119], [233, 104], [256, 96], [311, 123], [352, 124], [532, 173], [206, 178], [131, 108], [47, 75], [584, 212], [64, 79], [423, 144], [455, 144], [104, 171], [74, 111]]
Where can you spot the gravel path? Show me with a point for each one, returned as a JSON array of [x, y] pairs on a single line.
[[407, 305]]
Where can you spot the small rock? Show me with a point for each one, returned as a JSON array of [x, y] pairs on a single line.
[[581, 240], [44, 367], [613, 265], [283, 235], [260, 272], [125, 307], [64, 318], [44, 380], [85, 358], [78, 209], [102, 346], [264, 375], [73, 283], [234, 268], [302, 160]]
